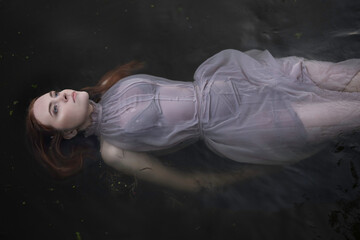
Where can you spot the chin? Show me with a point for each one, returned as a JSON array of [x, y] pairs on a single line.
[[83, 95], [86, 94]]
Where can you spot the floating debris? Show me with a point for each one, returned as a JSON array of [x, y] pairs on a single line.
[[298, 35], [34, 85], [78, 236], [152, 5], [15, 102], [11, 112]]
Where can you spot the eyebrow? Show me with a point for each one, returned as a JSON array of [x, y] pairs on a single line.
[[50, 105]]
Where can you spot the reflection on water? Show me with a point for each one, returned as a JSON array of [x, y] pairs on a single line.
[[346, 33], [317, 198]]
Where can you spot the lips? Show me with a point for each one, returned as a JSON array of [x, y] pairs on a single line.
[[74, 96]]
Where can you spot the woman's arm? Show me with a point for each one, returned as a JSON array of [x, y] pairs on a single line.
[[145, 167], [148, 168]]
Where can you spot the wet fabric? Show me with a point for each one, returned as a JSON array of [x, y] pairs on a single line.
[[248, 107]]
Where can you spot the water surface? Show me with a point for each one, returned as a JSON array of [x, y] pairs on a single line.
[[48, 45]]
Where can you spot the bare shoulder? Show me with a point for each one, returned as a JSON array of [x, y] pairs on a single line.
[[107, 149], [123, 159], [110, 152]]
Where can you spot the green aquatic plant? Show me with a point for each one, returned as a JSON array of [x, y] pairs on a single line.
[[78, 236], [298, 35]]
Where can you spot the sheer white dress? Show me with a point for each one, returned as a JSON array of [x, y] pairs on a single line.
[[248, 107]]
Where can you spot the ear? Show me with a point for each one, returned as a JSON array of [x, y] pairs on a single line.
[[69, 134]]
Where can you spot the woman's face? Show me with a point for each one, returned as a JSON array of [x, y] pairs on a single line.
[[65, 110]]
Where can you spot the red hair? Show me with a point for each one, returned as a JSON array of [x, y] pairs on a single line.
[[45, 141]]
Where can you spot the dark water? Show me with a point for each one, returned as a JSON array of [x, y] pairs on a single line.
[[47, 44]]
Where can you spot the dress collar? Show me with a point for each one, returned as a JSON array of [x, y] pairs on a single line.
[[95, 119]]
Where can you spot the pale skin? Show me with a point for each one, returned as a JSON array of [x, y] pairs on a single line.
[[323, 115], [70, 113]]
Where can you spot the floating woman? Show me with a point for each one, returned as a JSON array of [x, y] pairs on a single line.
[[246, 106]]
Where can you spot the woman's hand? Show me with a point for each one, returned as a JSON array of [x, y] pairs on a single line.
[[211, 181]]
